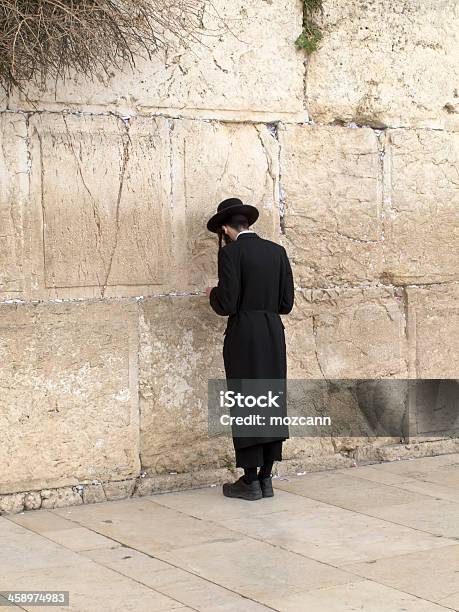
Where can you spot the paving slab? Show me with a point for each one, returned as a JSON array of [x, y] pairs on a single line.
[[416, 485], [196, 592], [256, 569], [448, 476], [41, 521], [91, 587], [31, 561], [80, 538], [220, 555], [145, 525], [437, 516], [365, 596], [452, 601], [337, 536], [24, 550], [431, 574], [444, 473], [416, 466], [210, 504], [379, 538], [347, 491]]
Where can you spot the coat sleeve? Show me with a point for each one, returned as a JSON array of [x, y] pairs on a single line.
[[224, 297], [288, 291]]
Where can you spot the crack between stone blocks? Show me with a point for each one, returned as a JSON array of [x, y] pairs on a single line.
[[179, 294], [125, 160], [42, 206], [170, 129], [274, 129], [374, 285], [27, 218], [140, 317], [16, 225], [411, 367], [316, 348], [269, 161], [267, 121], [305, 84], [95, 210]]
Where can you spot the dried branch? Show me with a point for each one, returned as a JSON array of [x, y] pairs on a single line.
[[52, 38]]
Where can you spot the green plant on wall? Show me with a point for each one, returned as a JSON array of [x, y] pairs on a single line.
[[311, 34]]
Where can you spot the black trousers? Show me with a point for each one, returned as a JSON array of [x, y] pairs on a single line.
[[258, 454]]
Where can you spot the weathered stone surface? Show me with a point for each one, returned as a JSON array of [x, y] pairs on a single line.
[[399, 66], [213, 161], [13, 203], [421, 207], [180, 349], [95, 205], [119, 490], [32, 500], [246, 62], [331, 181], [306, 462], [307, 449], [347, 333], [99, 232], [68, 409], [93, 493], [11, 504], [302, 360], [420, 449], [433, 318], [134, 221], [60, 498]]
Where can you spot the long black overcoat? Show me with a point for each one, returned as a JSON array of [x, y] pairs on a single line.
[[255, 285]]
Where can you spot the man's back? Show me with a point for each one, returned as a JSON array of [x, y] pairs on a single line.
[[254, 275]]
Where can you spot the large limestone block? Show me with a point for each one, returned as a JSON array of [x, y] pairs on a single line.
[[421, 206], [180, 350], [331, 181], [213, 161], [302, 359], [122, 209], [13, 204], [69, 404], [102, 199], [347, 333], [387, 62], [245, 62], [433, 316]]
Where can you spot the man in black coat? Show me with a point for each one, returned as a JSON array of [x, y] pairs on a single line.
[[255, 285]]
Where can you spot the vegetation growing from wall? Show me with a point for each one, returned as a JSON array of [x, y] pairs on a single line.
[[50, 38], [311, 34]]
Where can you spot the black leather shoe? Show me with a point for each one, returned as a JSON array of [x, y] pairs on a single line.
[[266, 485], [243, 490]]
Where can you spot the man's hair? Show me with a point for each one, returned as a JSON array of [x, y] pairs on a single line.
[[237, 222]]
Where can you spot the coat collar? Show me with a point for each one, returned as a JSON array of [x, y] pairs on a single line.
[[248, 235]]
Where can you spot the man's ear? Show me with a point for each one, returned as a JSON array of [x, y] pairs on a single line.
[[225, 229]]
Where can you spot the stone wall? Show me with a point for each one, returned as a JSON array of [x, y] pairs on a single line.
[[106, 338]]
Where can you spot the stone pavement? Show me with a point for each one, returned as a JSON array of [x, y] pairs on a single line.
[[379, 538]]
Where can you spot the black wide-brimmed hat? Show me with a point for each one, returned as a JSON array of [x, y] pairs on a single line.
[[229, 207]]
